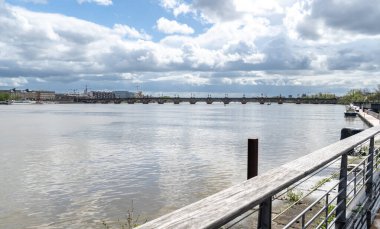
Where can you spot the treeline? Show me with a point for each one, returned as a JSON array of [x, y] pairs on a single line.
[[319, 95], [4, 96], [361, 95]]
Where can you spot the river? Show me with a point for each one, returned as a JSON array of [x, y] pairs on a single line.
[[72, 166]]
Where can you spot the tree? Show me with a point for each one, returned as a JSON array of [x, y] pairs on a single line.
[[4, 96]]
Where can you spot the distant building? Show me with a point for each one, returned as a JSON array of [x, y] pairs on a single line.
[[123, 94], [139, 94], [4, 91], [101, 95], [30, 95], [45, 95]]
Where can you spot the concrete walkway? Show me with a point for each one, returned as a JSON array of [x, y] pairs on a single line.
[[369, 119]]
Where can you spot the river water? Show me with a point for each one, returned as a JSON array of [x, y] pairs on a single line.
[[72, 166]]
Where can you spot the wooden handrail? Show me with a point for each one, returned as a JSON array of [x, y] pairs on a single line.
[[218, 209]]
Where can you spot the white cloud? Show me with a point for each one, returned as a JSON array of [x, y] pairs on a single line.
[[259, 7], [13, 82], [125, 30], [184, 78], [171, 26], [178, 7], [245, 43], [98, 2]]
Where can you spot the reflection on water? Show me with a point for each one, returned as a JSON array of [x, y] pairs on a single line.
[[75, 165]]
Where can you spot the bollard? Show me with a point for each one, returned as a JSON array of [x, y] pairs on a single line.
[[253, 151]]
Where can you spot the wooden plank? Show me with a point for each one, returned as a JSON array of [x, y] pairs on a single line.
[[218, 209]]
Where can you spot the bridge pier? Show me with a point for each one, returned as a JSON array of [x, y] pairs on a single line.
[[226, 101], [193, 101]]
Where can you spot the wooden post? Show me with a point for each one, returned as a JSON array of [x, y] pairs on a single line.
[[253, 151], [342, 194]]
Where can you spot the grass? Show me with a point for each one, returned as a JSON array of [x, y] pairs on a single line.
[[330, 208], [293, 196], [322, 182], [325, 180], [358, 209], [131, 221]]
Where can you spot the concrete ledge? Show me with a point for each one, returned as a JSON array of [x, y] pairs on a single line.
[[370, 120]]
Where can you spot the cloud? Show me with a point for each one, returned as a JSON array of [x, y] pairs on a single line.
[[98, 2], [13, 82], [178, 7], [244, 44], [354, 15], [331, 21], [216, 11], [170, 27], [258, 7], [127, 31]]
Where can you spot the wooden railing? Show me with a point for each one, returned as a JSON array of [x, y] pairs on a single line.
[[225, 206]]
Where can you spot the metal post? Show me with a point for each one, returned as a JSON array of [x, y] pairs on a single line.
[[253, 151], [369, 180], [342, 194], [265, 215]]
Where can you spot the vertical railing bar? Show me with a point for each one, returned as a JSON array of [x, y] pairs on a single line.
[[265, 214], [355, 183], [342, 194], [369, 180], [315, 216], [303, 221], [327, 211], [363, 173]]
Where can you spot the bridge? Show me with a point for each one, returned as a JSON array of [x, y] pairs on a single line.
[[209, 100], [349, 198]]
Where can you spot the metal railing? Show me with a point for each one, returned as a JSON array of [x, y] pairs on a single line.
[[351, 200]]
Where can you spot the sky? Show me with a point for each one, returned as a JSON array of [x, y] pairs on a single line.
[[169, 47]]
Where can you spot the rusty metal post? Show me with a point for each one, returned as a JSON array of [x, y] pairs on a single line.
[[253, 151]]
